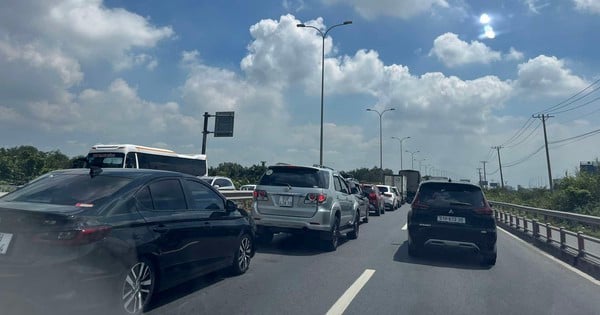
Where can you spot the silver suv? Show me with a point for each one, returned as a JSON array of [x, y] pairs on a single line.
[[304, 199]]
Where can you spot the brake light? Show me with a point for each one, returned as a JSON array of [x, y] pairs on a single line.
[[417, 204], [312, 198], [487, 210], [372, 195], [260, 195], [79, 236]]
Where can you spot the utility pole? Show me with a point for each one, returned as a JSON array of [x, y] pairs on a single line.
[[543, 118], [484, 173], [499, 165], [479, 170]]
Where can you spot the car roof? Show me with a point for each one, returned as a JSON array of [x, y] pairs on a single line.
[[427, 182], [124, 172]]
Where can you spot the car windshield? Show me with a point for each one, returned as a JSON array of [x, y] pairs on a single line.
[[382, 189], [69, 189], [442, 193], [295, 177]]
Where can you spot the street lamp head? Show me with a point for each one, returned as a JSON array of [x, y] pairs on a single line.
[[300, 25], [392, 108], [347, 22], [369, 110]]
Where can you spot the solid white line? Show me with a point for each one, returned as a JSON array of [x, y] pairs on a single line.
[[344, 301], [405, 226], [564, 264]]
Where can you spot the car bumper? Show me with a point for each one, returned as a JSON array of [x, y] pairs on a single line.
[[481, 240], [319, 222]]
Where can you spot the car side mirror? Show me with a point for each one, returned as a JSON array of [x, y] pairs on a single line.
[[230, 206]]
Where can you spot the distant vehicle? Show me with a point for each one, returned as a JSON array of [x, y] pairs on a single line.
[[438, 178], [375, 199], [219, 182], [399, 182], [361, 200], [390, 198], [113, 238], [248, 187], [137, 156], [413, 178], [398, 197], [465, 180], [452, 215], [304, 199]]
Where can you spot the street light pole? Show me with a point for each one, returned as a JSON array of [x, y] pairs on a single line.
[[323, 36], [412, 164], [380, 137], [401, 159]]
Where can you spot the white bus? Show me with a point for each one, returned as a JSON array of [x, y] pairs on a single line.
[[137, 156]]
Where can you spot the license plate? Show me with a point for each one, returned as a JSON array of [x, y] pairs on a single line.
[[4, 242], [286, 201], [443, 218]]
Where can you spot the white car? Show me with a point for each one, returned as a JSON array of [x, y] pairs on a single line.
[[389, 197], [248, 187], [220, 183]]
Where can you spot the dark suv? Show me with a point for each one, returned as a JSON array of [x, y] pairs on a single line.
[[452, 215]]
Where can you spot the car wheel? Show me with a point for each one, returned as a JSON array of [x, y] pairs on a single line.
[[355, 228], [488, 260], [366, 219], [331, 244], [242, 256], [137, 287], [414, 250], [377, 212], [382, 209]]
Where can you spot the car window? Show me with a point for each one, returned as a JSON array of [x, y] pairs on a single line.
[[382, 189], [344, 186], [296, 177], [167, 195], [223, 182], [336, 184], [203, 198], [144, 198], [442, 193]]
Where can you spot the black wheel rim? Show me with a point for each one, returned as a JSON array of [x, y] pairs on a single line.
[[334, 236]]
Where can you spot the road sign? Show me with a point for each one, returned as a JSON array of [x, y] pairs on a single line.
[[224, 124]]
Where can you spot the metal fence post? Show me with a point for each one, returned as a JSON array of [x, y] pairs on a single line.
[[580, 245], [525, 225], [510, 216], [563, 238], [548, 233], [536, 228], [517, 221]]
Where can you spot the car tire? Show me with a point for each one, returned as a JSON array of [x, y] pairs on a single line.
[[138, 284], [243, 255], [414, 250], [331, 243], [488, 260], [377, 212], [355, 228], [382, 209], [366, 219]]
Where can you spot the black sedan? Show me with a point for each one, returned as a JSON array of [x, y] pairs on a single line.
[[76, 238]]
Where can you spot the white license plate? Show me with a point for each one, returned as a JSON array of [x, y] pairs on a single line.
[[4, 242], [443, 218], [286, 201]]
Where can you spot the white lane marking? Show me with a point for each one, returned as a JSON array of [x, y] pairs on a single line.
[[344, 301], [564, 264], [405, 226]]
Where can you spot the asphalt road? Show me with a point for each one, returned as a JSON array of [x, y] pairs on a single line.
[[292, 276]]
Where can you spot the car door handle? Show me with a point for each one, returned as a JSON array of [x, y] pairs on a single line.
[[160, 229]]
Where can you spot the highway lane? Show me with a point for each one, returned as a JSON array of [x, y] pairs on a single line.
[[292, 276]]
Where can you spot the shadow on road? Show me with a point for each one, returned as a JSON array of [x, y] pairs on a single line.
[[294, 245], [440, 257]]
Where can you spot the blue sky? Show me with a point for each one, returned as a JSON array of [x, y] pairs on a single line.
[[76, 73]]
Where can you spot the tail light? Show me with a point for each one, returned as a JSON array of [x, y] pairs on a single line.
[[260, 195], [487, 210], [79, 236], [312, 198], [417, 204], [373, 196]]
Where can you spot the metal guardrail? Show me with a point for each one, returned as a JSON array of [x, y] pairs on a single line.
[[515, 216], [3, 193], [243, 198]]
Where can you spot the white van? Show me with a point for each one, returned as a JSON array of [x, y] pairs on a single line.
[[137, 156]]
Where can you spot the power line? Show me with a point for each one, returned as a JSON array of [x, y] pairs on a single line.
[[551, 108], [526, 137], [573, 101], [517, 134]]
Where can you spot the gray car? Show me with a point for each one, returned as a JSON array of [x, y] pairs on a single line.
[[304, 199]]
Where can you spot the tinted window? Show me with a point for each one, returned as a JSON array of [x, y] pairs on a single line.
[[130, 160], [344, 186], [367, 189], [69, 189], [203, 198], [295, 176], [167, 195], [170, 163], [105, 160], [336, 183], [442, 193], [382, 189], [223, 182], [144, 197]]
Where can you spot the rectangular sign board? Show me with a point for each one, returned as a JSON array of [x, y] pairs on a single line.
[[224, 124]]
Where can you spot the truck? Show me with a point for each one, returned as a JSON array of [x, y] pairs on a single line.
[[412, 180], [398, 181]]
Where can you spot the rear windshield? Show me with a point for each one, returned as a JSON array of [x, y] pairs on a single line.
[[367, 189], [70, 189], [443, 193], [382, 189], [295, 177]]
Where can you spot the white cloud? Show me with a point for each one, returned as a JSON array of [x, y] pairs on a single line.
[[452, 51], [514, 54], [293, 5], [534, 6], [588, 6], [547, 76], [406, 9]]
